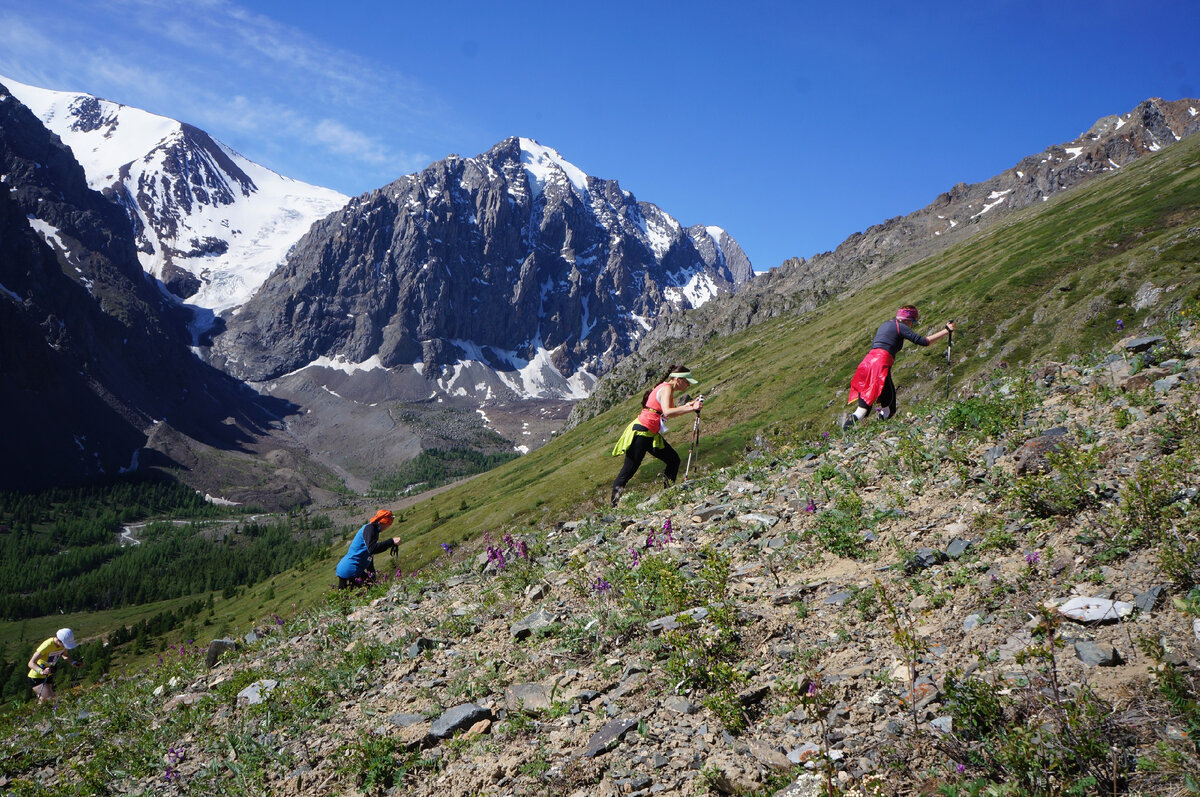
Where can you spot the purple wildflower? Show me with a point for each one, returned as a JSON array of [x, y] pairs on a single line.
[[637, 557], [496, 556], [601, 585], [170, 773], [446, 547], [1033, 557], [1120, 325], [667, 530], [812, 688], [650, 539], [812, 507], [961, 768]]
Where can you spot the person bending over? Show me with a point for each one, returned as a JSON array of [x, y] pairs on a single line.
[[873, 379], [358, 565], [644, 435]]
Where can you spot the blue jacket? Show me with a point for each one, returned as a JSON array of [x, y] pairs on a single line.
[[359, 559]]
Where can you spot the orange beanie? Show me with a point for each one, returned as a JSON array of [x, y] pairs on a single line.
[[383, 514]]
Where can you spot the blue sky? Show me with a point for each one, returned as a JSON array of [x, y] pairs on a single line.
[[792, 125]]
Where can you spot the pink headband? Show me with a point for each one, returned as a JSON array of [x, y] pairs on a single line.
[[906, 315]]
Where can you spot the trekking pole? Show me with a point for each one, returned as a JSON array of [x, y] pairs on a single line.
[[949, 345], [695, 447]]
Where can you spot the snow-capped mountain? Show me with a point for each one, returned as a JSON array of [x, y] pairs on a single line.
[[96, 373], [512, 274], [209, 223]]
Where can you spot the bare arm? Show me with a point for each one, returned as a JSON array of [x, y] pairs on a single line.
[[668, 404], [941, 333]]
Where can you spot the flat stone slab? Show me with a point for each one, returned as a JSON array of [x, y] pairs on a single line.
[[527, 697], [608, 737], [1095, 610], [709, 512], [534, 622], [674, 621], [957, 548], [257, 692], [1137, 345], [457, 719], [758, 518]]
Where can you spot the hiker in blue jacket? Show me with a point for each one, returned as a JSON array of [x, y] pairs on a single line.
[[358, 565]]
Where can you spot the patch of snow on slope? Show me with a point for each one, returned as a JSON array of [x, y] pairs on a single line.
[[536, 378], [1074, 152], [998, 197], [542, 164], [340, 363], [698, 290]]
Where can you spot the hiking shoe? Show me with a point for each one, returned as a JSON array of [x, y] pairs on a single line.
[[616, 495], [847, 420]]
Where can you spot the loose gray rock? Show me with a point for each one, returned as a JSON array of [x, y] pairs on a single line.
[[1093, 655], [1146, 601], [527, 697], [457, 719], [709, 512], [758, 518], [680, 705], [838, 598], [1167, 383], [216, 649], [957, 548], [1138, 345], [534, 622], [419, 646], [943, 724], [992, 455], [673, 621], [923, 558], [607, 737], [257, 692]]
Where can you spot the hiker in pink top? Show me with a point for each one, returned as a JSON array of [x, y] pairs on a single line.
[[644, 436]]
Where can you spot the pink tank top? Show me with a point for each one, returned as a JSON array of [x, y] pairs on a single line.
[[651, 415]]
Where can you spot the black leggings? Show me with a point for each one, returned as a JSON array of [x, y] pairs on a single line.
[[367, 577], [637, 451], [887, 397]]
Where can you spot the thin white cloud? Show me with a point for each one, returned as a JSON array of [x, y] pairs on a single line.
[[268, 90]]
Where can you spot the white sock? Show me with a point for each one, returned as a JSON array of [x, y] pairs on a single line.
[[860, 413]]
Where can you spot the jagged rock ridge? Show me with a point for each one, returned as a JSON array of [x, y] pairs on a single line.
[[511, 274], [208, 222]]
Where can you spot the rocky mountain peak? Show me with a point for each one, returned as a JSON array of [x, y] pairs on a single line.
[[210, 224], [514, 266]]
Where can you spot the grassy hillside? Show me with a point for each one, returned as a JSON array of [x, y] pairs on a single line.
[[1052, 281]]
